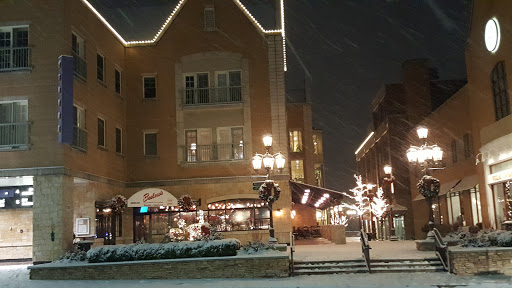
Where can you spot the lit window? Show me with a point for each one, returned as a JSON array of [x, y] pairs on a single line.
[[297, 168], [295, 141]]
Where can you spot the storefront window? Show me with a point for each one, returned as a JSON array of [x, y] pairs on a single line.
[[502, 202], [16, 197], [476, 208], [456, 216], [239, 215]]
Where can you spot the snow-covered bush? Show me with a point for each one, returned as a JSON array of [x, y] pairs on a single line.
[[254, 247], [74, 255], [486, 238], [173, 250]]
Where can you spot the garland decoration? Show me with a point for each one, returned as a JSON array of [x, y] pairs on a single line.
[[186, 203], [429, 186], [118, 203], [266, 190]]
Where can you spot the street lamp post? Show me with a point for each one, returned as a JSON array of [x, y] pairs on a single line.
[[425, 156], [268, 161], [388, 170]]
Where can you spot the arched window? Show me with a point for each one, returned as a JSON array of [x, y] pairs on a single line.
[[499, 91]]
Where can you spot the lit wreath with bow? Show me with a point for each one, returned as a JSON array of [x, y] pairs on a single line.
[[266, 191], [118, 203], [429, 186], [186, 203]]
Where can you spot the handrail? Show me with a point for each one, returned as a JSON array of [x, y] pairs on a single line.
[[292, 250], [365, 247], [441, 249]]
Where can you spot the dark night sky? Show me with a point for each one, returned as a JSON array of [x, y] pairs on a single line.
[[352, 47]]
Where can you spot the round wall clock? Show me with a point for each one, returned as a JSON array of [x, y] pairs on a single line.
[[492, 35]]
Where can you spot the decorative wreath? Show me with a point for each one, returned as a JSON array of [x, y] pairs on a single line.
[[266, 191], [118, 203], [186, 203], [428, 186]]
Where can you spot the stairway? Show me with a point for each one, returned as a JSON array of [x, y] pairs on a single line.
[[358, 266]]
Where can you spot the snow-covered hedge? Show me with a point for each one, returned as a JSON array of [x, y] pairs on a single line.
[[173, 250], [487, 239]]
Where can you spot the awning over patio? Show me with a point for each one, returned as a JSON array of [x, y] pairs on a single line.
[[316, 192]]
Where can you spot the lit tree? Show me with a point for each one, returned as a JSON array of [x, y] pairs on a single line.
[[379, 204]]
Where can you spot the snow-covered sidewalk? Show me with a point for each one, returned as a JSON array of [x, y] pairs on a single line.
[[321, 249], [16, 276]]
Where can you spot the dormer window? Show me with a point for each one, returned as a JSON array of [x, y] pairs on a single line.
[[209, 19]]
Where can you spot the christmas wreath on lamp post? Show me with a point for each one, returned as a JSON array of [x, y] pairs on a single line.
[[429, 186], [266, 190]]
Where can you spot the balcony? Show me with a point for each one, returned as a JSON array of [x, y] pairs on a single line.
[[215, 152], [79, 67], [14, 136], [212, 95], [79, 138], [17, 58]]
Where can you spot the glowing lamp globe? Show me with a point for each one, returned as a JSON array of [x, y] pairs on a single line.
[[438, 153], [256, 162], [280, 161], [267, 141], [412, 154], [268, 161], [388, 169], [422, 132]]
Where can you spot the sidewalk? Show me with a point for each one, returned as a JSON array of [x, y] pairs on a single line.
[[323, 250]]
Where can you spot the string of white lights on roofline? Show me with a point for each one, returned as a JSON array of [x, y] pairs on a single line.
[[175, 11]]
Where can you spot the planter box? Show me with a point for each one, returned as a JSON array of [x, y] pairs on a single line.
[[259, 266], [478, 261]]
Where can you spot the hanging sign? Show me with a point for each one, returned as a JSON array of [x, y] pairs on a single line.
[[152, 197]]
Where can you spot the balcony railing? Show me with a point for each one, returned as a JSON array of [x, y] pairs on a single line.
[[79, 66], [218, 152], [79, 138], [17, 58], [212, 95], [14, 135]]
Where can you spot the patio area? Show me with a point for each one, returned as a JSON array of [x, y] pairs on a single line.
[[320, 249]]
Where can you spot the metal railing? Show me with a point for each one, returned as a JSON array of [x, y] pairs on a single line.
[[365, 247], [441, 249], [292, 250], [79, 66], [14, 135], [212, 95], [15, 58], [79, 138], [215, 152]]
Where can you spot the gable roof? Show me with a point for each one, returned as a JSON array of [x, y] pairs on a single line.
[[137, 23]]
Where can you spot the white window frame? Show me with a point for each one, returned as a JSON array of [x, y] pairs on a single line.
[[81, 45], [103, 70], [117, 69], [144, 86], [145, 132], [24, 103], [120, 140], [104, 132], [80, 117]]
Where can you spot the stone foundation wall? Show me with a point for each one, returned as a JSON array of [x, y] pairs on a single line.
[[477, 261], [192, 268]]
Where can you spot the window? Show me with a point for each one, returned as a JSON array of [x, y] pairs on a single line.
[[101, 132], [149, 87], [16, 197], [297, 168], [468, 146], [230, 143], [499, 91], [197, 89], [455, 215], [502, 193], [454, 151], [100, 63], [14, 126], [209, 19], [238, 215], [79, 132], [117, 76], [199, 145], [295, 141], [229, 86], [476, 207], [78, 52], [150, 144], [319, 175], [119, 140], [316, 145], [14, 50]]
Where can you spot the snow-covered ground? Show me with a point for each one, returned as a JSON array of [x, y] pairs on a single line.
[[16, 276]]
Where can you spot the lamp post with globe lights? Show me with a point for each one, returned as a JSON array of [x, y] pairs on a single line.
[[426, 156], [269, 191]]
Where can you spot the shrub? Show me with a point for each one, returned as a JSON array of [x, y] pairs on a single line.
[[485, 238], [74, 255], [170, 250], [474, 229]]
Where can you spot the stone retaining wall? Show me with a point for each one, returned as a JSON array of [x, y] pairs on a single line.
[[190, 268], [334, 233], [477, 261]]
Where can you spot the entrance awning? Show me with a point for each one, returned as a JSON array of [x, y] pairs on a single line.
[[316, 193], [445, 188], [152, 197], [467, 183]]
